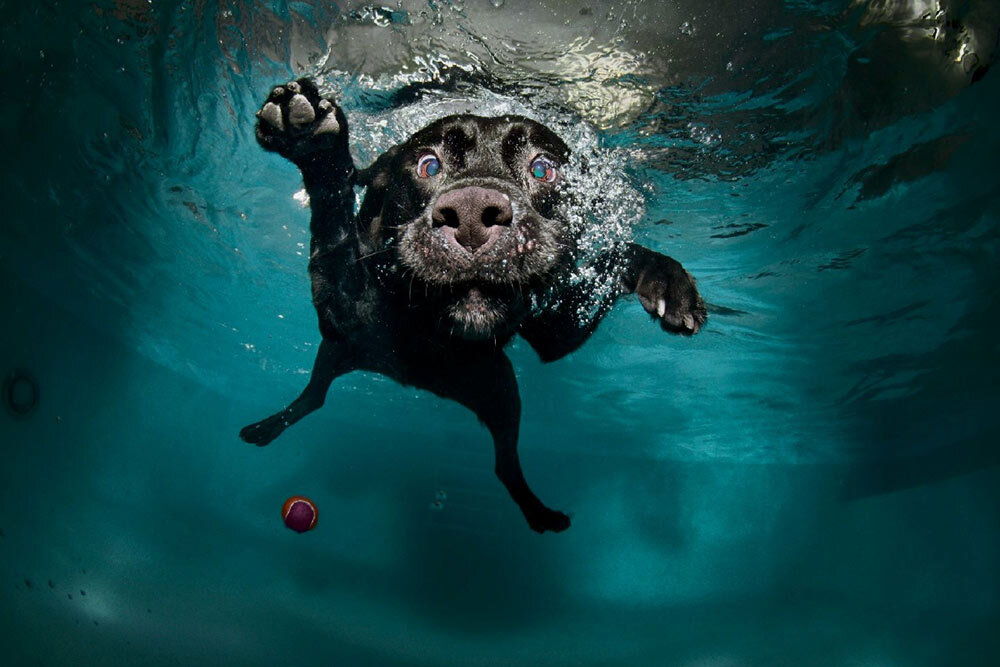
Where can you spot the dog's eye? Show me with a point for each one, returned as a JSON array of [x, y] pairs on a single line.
[[543, 169], [428, 165]]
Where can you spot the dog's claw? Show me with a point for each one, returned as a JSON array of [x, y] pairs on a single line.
[[668, 293]]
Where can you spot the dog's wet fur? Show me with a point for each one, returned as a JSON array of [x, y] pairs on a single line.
[[458, 246]]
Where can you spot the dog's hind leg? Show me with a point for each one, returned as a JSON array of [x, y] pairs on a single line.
[[488, 387], [331, 362]]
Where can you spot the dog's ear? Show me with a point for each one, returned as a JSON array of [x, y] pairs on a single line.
[[377, 179], [369, 176]]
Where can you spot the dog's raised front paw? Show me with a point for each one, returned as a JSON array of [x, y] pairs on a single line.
[[295, 121], [668, 293]]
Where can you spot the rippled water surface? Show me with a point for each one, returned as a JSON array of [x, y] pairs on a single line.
[[809, 481]]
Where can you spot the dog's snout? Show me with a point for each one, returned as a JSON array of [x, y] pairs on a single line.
[[474, 213]]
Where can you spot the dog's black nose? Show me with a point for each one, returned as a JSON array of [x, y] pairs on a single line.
[[475, 214]]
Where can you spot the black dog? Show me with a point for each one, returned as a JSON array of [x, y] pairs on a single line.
[[458, 245]]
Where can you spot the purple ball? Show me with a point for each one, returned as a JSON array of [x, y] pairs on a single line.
[[299, 513]]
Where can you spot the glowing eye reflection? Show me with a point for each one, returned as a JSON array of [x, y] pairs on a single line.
[[543, 169], [428, 165]]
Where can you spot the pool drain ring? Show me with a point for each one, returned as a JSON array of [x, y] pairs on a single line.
[[20, 393]]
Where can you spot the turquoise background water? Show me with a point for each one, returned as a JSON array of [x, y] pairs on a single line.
[[811, 480]]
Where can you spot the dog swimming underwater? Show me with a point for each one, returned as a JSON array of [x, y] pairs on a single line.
[[459, 244]]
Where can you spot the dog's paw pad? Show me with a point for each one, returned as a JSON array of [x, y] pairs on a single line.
[[328, 125], [300, 111], [271, 114], [295, 121]]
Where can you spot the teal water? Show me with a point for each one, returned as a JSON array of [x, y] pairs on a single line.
[[812, 480]]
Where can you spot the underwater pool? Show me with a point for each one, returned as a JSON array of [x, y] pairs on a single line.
[[811, 480]]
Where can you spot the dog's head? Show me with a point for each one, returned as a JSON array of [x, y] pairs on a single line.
[[469, 206]]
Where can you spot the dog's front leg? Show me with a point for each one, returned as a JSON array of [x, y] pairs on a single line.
[[664, 288], [331, 362], [311, 131]]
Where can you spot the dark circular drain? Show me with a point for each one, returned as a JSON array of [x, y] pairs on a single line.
[[20, 392]]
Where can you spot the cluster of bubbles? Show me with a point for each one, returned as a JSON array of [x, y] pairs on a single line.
[[602, 208]]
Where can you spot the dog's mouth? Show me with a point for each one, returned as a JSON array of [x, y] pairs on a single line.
[[476, 242], [478, 311]]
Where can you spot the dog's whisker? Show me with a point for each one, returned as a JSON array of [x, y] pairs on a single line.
[[372, 254]]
